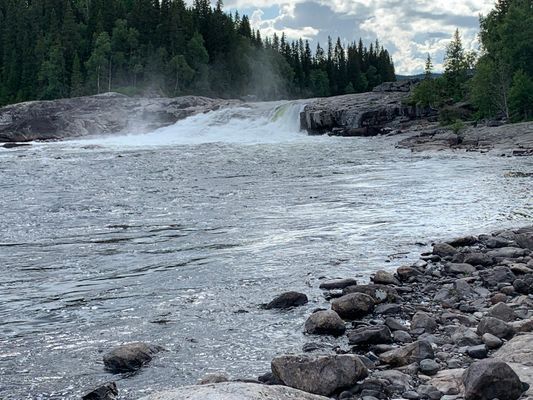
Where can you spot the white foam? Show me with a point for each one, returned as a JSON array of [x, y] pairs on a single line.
[[274, 122]]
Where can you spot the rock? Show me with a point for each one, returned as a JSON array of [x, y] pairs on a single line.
[[448, 381], [321, 375], [523, 325], [213, 378], [325, 322], [424, 322], [444, 250], [492, 342], [338, 284], [234, 391], [107, 391], [502, 311], [507, 252], [130, 357], [362, 114], [463, 241], [287, 300], [384, 278], [395, 324], [497, 275], [479, 351], [395, 378], [380, 293], [479, 259], [370, 335], [518, 350], [491, 379], [402, 337], [495, 327], [413, 352], [465, 337], [388, 309], [405, 273], [459, 269], [524, 285], [354, 305], [411, 395], [95, 115], [498, 298], [429, 367]]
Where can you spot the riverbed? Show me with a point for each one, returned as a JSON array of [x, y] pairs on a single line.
[[178, 243]]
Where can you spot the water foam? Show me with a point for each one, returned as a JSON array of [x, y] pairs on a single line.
[[255, 123]]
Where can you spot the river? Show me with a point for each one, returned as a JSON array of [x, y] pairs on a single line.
[[176, 238]]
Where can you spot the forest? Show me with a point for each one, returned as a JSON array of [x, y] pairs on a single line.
[[498, 81], [65, 48]]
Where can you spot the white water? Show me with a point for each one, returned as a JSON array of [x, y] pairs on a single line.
[[274, 122]]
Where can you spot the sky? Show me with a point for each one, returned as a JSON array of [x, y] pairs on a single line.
[[408, 29]]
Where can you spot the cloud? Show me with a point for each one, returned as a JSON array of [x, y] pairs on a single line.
[[409, 29]]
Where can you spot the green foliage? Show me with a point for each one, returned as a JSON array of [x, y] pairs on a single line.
[[457, 64], [521, 97], [458, 126], [58, 48]]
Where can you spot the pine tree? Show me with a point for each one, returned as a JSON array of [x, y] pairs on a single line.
[[428, 69]]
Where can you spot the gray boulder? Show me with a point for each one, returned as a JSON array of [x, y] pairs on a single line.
[[354, 305], [482, 259], [502, 311], [384, 278], [107, 391], [491, 379], [459, 269], [424, 322], [380, 293], [366, 335], [338, 284], [493, 277], [413, 352], [495, 327], [325, 322], [288, 300], [130, 357], [321, 375], [234, 391], [444, 250]]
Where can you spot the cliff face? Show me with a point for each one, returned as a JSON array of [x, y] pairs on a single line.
[[362, 114], [102, 114]]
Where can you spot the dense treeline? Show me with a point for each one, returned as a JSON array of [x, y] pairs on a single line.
[[60, 48], [499, 81]]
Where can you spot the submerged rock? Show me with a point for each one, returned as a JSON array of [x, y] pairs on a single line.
[[321, 375], [288, 300], [234, 391], [130, 357]]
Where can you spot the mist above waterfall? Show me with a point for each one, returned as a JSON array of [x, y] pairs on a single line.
[[255, 123]]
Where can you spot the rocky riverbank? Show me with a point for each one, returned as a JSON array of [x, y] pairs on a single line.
[[102, 114], [457, 324]]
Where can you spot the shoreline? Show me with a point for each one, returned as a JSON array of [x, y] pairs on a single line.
[[456, 324]]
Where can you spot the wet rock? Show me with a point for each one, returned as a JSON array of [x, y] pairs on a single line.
[[354, 305], [479, 259], [213, 378], [388, 309], [130, 357], [287, 300], [502, 311], [413, 352], [395, 324], [380, 293], [463, 241], [479, 351], [406, 273], [444, 250], [321, 375], [507, 252], [234, 390], [459, 269], [338, 284], [491, 379], [495, 327], [325, 322], [429, 367], [423, 321], [107, 391], [370, 335], [497, 275], [384, 278]]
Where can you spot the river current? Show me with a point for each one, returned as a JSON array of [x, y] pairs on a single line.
[[176, 237]]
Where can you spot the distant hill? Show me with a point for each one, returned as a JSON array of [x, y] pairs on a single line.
[[419, 76]]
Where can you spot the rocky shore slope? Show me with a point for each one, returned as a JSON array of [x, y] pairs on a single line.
[[101, 114], [457, 324]]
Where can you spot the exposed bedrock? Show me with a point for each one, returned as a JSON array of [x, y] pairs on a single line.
[[102, 114]]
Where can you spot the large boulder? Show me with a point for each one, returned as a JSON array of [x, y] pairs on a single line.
[[493, 277], [95, 115], [130, 357], [495, 327], [502, 311], [380, 293], [321, 375], [491, 379], [288, 300], [354, 305], [408, 354], [234, 391], [518, 350], [107, 391], [384, 278], [444, 250], [325, 322]]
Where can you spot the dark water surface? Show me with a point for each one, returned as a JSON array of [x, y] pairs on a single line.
[[178, 245]]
